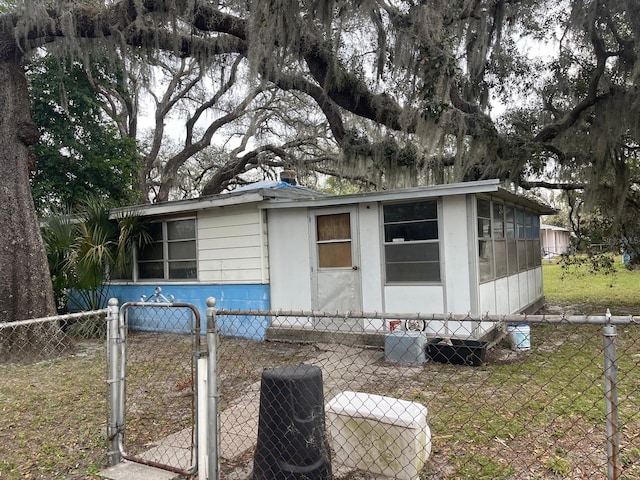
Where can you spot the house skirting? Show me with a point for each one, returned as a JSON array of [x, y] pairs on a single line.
[[363, 339]]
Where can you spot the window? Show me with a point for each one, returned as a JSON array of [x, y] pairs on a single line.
[[512, 250], [522, 242], [499, 242], [171, 254], [485, 245], [508, 239], [411, 246], [333, 238]]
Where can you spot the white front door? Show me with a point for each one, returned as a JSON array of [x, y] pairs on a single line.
[[336, 270]]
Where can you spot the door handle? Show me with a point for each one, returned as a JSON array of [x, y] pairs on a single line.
[[355, 267]]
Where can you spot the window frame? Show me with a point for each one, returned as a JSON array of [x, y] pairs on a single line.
[[166, 260], [484, 225], [520, 235], [320, 243], [412, 243]]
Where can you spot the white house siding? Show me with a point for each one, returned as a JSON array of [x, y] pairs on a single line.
[[414, 298], [531, 281], [232, 245], [502, 296], [511, 294], [487, 298], [417, 299], [535, 285], [459, 288], [514, 293], [371, 270], [523, 288], [371, 257]]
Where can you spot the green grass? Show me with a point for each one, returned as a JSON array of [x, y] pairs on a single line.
[[53, 413], [541, 413], [536, 414], [592, 293]]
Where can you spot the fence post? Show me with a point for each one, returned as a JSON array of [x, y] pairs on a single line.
[[114, 379], [212, 391], [611, 397]]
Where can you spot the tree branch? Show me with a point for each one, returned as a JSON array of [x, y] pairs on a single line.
[[236, 166], [327, 105], [552, 185], [551, 131]]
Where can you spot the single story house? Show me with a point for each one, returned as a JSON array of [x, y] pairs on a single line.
[[554, 240], [462, 248]]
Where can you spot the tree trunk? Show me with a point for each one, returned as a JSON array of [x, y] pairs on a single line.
[[25, 283]]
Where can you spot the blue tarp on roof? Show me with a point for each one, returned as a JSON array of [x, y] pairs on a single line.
[[289, 189]]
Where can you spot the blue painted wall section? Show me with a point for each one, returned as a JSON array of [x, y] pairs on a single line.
[[231, 297]]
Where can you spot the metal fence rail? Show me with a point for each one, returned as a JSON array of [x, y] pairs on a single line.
[[48, 337]]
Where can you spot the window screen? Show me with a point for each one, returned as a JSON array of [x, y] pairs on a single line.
[[508, 239], [411, 246]]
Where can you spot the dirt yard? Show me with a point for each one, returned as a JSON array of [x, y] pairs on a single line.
[[520, 415]]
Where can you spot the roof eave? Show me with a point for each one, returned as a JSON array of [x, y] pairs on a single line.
[[482, 186], [186, 206]]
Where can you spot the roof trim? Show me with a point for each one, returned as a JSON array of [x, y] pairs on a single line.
[[273, 198], [526, 202], [492, 187], [255, 192], [482, 186], [181, 206]]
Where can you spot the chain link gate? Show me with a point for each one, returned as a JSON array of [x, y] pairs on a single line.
[[153, 348]]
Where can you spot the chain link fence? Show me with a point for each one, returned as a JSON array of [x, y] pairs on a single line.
[[44, 338], [52, 396], [344, 401], [529, 400]]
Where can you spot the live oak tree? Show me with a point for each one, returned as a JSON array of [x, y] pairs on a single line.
[[405, 90], [258, 127]]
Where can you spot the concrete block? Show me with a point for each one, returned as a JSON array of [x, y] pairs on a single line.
[[136, 471]]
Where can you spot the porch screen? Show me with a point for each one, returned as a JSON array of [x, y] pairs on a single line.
[[411, 245], [508, 240]]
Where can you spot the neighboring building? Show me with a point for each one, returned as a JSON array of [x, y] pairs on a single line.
[[555, 240], [462, 248]]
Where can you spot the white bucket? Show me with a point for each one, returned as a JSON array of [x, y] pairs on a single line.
[[519, 336]]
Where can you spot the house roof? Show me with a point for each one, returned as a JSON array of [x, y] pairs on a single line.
[[271, 194], [254, 192], [544, 226], [490, 187]]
